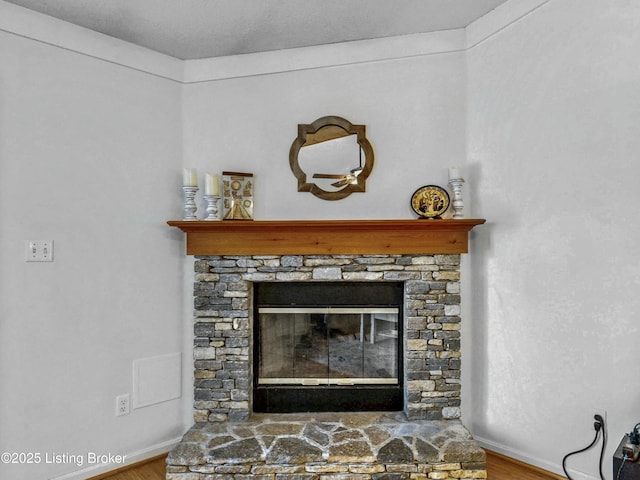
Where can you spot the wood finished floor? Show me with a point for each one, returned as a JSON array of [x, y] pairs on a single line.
[[498, 468]]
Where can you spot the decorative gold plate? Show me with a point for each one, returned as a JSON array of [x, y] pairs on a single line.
[[430, 201]]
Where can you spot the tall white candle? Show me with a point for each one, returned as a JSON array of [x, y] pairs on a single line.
[[211, 185], [189, 177], [216, 185], [454, 173]]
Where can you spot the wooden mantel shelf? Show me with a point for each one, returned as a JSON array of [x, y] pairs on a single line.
[[326, 237]]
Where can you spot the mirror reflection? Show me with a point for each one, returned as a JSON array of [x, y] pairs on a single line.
[[334, 163]]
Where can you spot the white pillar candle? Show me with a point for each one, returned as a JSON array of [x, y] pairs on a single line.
[[454, 173], [189, 177], [211, 185]]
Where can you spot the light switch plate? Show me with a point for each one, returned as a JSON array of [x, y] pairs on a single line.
[[38, 251]]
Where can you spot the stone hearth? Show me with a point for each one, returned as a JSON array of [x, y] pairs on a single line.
[[229, 441], [327, 446]]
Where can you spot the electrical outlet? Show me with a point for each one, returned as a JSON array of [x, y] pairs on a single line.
[[38, 251], [122, 405], [600, 412]]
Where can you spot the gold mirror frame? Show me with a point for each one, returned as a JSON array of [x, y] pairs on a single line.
[[330, 128]]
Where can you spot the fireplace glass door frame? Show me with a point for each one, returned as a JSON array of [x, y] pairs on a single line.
[[328, 346]]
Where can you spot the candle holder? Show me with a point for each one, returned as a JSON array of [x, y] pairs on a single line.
[[458, 203], [189, 210], [212, 206]]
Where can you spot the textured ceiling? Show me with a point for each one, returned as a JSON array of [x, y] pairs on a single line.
[[190, 29]]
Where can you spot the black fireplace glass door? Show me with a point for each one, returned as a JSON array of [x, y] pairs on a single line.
[[292, 348], [362, 347]]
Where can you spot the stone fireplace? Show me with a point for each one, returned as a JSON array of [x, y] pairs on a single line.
[[420, 436]]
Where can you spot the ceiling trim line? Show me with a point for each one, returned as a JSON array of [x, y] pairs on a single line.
[[31, 25], [500, 18], [324, 56]]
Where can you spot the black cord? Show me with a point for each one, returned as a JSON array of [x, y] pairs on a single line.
[[604, 445], [564, 460]]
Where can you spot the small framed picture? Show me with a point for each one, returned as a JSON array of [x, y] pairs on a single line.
[[237, 196]]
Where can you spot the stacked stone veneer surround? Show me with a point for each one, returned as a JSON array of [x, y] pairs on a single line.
[[223, 371], [223, 333]]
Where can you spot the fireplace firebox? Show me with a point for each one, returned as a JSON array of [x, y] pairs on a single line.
[[328, 346]]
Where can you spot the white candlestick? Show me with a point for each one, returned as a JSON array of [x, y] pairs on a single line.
[[457, 204], [189, 210], [454, 173], [212, 207], [211, 185], [189, 177]]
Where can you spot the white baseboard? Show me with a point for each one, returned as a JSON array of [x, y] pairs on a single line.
[[536, 462], [130, 458]]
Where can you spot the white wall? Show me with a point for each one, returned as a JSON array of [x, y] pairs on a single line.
[[89, 157], [413, 109], [554, 109]]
